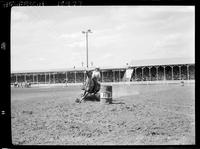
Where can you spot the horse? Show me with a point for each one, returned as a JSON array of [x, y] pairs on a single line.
[[91, 86], [96, 76]]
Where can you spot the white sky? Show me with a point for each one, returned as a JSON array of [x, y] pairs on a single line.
[[45, 38]]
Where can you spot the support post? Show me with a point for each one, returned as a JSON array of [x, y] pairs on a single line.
[[24, 77], [54, 80], [75, 77], [45, 78], [135, 74], [164, 73], [132, 75], [179, 72], [49, 78], [149, 73], [105, 75], [84, 75], [188, 74], [113, 75], [142, 73], [119, 75], [157, 73], [37, 78], [172, 73], [16, 77], [66, 76], [87, 47], [33, 78], [102, 77]]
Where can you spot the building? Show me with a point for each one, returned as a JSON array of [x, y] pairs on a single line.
[[146, 70]]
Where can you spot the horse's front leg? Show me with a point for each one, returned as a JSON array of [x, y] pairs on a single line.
[[84, 95]]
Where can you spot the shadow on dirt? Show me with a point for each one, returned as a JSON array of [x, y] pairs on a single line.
[[117, 102], [92, 98]]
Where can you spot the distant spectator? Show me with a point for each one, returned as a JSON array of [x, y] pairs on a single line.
[[16, 84]]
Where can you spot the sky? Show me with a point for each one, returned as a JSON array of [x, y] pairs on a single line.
[[50, 37]]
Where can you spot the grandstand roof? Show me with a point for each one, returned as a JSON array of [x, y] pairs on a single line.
[[48, 70], [65, 69], [147, 62], [164, 61]]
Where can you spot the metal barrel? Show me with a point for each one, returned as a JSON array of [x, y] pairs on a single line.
[[106, 94]]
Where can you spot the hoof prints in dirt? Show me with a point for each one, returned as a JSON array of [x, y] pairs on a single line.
[[92, 123]]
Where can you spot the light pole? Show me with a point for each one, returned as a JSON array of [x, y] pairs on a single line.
[[86, 33]]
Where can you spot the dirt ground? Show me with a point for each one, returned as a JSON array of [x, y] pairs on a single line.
[[139, 115]]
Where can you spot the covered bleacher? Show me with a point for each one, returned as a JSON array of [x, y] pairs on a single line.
[[141, 70]]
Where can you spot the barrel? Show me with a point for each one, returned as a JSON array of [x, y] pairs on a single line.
[[106, 94]]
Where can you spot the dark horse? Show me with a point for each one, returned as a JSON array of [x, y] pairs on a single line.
[[91, 86]]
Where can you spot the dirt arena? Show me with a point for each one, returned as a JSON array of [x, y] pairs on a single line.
[[139, 115]]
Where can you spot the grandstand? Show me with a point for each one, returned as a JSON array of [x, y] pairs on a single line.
[[146, 70]]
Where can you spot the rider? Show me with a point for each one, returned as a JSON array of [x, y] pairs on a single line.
[[96, 74]]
